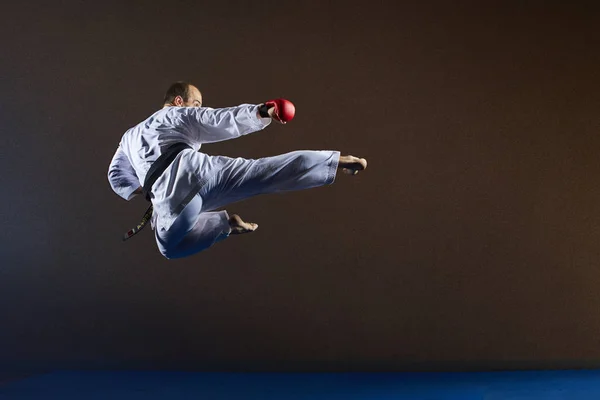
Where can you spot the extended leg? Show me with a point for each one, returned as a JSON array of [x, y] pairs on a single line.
[[238, 179], [197, 229]]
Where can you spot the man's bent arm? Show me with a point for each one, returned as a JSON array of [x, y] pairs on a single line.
[[122, 177], [211, 125]]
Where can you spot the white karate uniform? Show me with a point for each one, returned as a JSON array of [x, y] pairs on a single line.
[[196, 183]]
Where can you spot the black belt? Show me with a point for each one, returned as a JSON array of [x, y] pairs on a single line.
[[156, 170]]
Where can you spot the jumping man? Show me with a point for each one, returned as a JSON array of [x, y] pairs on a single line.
[[185, 186]]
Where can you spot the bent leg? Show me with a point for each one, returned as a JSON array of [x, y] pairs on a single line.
[[212, 227], [193, 231], [239, 178]]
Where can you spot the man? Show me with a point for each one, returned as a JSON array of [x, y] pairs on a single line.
[[185, 191]]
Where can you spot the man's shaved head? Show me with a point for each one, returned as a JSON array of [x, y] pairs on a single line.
[[183, 94]]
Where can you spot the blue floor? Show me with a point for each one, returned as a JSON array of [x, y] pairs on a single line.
[[187, 385]]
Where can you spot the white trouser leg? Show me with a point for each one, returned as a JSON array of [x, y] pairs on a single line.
[[193, 231], [235, 179], [238, 178]]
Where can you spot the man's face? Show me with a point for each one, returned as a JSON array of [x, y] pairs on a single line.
[[194, 99]]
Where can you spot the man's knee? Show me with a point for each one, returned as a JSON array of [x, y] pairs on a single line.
[[166, 253]]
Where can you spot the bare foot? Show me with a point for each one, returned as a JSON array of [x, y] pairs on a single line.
[[351, 165], [238, 226]]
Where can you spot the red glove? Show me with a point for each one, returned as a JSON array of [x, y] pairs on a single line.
[[284, 110]]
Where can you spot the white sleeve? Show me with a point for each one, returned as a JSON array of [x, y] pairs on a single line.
[[121, 175], [208, 125]]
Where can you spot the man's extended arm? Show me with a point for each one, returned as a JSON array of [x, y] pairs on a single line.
[[210, 125], [122, 177]]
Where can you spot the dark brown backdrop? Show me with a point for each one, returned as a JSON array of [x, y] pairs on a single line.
[[470, 242]]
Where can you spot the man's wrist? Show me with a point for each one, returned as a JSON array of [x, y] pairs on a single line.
[[263, 111]]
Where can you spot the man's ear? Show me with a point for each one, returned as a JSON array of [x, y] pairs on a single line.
[[178, 101]]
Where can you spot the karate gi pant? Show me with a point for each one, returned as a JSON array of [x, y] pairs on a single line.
[[233, 179]]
